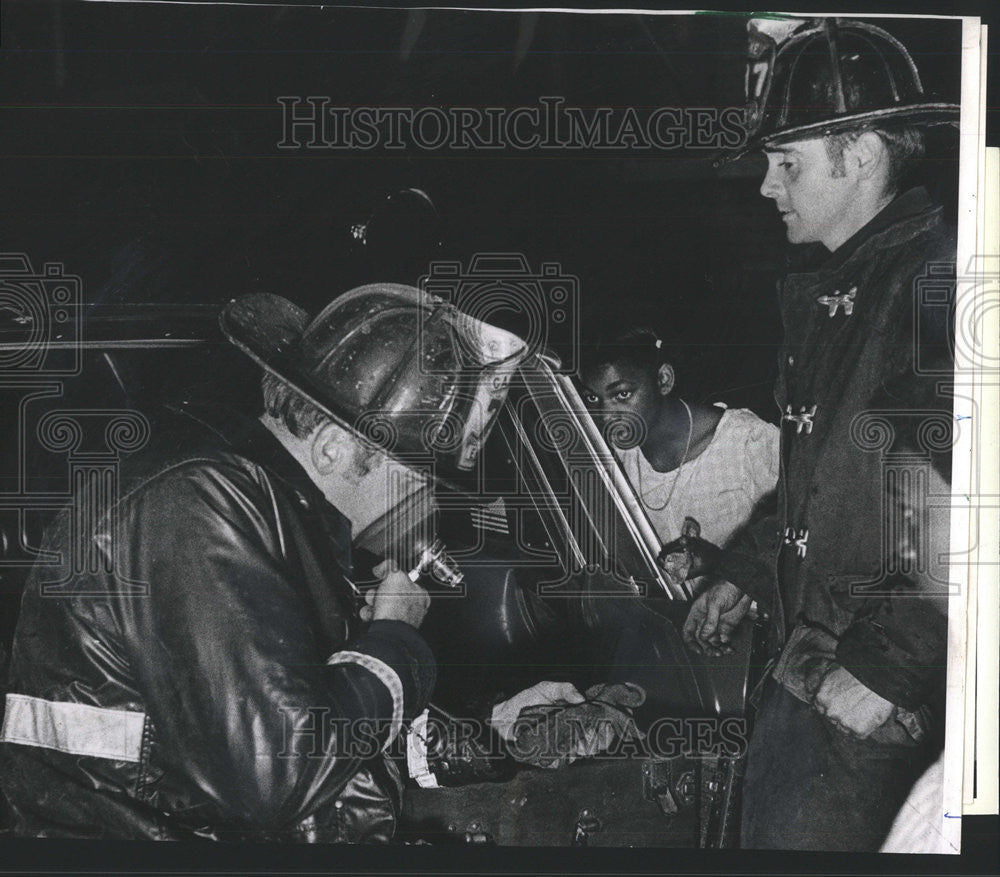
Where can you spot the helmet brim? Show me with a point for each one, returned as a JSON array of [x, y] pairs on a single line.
[[926, 114], [268, 328]]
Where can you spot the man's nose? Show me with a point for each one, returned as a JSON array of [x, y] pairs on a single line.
[[769, 187]]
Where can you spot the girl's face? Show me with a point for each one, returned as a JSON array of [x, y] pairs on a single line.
[[624, 399]]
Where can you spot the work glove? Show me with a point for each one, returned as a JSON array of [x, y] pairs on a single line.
[[555, 735]]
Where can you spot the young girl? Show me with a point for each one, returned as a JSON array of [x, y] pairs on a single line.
[[686, 459]]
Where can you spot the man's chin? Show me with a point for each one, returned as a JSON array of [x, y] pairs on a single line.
[[793, 230]]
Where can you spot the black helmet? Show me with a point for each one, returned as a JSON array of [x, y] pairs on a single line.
[[828, 76], [405, 371]]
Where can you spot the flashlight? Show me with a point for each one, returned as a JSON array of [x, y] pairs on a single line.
[[435, 562]]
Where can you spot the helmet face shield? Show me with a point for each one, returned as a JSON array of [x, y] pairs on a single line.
[[491, 355], [407, 372]]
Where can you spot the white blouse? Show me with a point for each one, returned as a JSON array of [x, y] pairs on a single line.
[[719, 488]]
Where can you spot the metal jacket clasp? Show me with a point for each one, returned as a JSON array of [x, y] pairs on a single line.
[[846, 301], [798, 538], [802, 420]]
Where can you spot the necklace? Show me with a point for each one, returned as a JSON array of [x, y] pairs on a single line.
[[677, 477]]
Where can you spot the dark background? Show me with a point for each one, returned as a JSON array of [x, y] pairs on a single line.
[[139, 149]]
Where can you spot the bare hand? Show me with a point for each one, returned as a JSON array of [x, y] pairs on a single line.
[[851, 705], [396, 598], [713, 617]]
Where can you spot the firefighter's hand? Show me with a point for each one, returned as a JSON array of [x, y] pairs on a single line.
[[713, 618], [396, 598], [851, 705]]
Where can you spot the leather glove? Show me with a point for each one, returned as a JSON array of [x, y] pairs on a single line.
[[689, 556], [553, 736]]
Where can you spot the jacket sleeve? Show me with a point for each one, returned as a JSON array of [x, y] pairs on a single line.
[[748, 558], [899, 650], [245, 705], [897, 643]]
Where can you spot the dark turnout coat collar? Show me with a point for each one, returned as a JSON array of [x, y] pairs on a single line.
[[247, 437], [815, 258]]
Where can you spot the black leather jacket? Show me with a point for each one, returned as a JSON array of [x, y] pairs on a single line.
[[198, 668]]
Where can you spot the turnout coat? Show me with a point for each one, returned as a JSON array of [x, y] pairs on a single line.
[[865, 345]]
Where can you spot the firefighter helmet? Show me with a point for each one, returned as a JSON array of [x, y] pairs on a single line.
[[808, 79], [405, 371]]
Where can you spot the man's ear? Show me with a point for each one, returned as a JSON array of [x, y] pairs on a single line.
[[665, 378], [867, 154], [327, 448]]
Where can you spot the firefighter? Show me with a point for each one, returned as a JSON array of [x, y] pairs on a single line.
[[847, 714], [212, 675]]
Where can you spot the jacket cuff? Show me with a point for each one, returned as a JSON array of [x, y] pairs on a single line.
[[871, 656], [401, 647], [750, 575]]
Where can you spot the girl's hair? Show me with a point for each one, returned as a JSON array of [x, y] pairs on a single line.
[[640, 347]]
